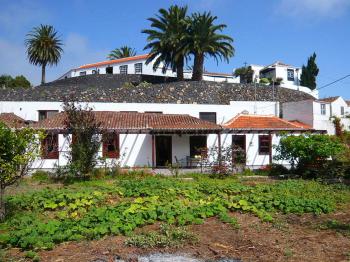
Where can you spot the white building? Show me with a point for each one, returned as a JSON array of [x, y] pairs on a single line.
[[152, 125], [137, 65], [288, 74], [319, 113]]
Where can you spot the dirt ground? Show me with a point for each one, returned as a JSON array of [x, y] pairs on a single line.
[[290, 238]]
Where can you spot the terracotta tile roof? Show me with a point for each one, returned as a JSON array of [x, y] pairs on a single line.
[[300, 124], [126, 121], [11, 120], [116, 61], [261, 122], [328, 99]]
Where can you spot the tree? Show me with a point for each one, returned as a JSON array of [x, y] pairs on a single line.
[[205, 38], [310, 151], [44, 47], [84, 145], [245, 74], [309, 73], [167, 39], [17, 151], [121, 52], [19, 81]]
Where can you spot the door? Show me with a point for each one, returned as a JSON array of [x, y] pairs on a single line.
[[163, 151], [238, 149]]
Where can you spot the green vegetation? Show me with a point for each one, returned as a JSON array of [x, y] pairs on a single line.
[[169, 236], [93, 209], [17, 151], [8, 81], [121, 52], [245, 74], [313, 155], [309, 73]]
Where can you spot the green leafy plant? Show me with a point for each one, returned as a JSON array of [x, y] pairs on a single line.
[[17, 151]]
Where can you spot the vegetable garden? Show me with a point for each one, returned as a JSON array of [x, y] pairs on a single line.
[[92, 209]]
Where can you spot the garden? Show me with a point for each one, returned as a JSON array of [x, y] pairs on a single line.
[[151, 212]]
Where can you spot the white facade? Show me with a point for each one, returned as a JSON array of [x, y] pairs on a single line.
[[135, 149], [290, 76], [318, 113], [137, 65]]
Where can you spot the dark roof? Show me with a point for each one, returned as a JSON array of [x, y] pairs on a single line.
[[263, 122], [12, 121], [136, 122], [133, 89], [328, 99]]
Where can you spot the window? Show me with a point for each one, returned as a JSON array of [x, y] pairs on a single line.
[[94, 72], [109, 70], [208, 116], [264, 144], [342, 110], [49, 147], [138, 68], [43, 114], [123, 69], [198, 146], [290, 74], [83, 73], [323, 109], [110, 145]]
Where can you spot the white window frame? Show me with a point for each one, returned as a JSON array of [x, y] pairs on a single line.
[[323, 109]]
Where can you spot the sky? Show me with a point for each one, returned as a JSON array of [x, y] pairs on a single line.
[[263, 31]]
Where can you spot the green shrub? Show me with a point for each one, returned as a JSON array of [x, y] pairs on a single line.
[[41, 176], [309, 154]]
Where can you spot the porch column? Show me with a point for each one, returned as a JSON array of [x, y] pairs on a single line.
[[270, 153], [219, 148], [153, 152]]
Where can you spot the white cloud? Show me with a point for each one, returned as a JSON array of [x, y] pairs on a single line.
[[314, 8]]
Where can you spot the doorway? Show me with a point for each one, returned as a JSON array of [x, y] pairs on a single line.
[[239, 149], [163, 151]]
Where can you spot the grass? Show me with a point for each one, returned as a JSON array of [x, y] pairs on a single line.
[[44, 214]]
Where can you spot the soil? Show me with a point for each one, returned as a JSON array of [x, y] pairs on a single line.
[[289, 238]]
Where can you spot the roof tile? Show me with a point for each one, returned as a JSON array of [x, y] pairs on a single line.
[[262, 122]]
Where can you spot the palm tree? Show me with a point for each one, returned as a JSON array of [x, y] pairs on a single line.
[[44, 47], [121, 52], [167, 39], [205, 38]]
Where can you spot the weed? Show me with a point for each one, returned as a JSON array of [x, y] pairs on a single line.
[[168, 237]]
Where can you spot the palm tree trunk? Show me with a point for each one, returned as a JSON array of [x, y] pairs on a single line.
[[43, 73], [197, 74], [180, 69]]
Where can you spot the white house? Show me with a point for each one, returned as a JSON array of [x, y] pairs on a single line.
[[155, 124], [290, 76], [319, 113], [137, 65]]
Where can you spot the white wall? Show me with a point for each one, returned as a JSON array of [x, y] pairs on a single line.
[[29, 110], [301, 110]]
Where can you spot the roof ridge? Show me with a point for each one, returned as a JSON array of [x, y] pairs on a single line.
[[114, 61]]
